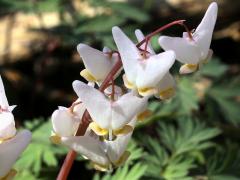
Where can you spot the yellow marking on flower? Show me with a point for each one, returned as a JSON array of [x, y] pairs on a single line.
[[5, 139], [97, 129], [10, 175], [143, 115], [127, 83], [55, 139], [192, 66], [147, 91], [125, 130], [100, 167], [167, 93], [88, 75], [188, 68], [122, 159]]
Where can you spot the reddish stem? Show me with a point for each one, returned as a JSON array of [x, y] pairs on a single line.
[[179, 22], [66, 167]]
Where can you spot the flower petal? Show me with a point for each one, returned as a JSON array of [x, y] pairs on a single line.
[[96, 103], [64, 122], [166, 82], [128, 51], [88, 147], [204, 31], [125, 108], [185, 49], [140, 36], [11, 149], [116, 148], [3, 97], [95, 61], [152, 70], [7, 127]]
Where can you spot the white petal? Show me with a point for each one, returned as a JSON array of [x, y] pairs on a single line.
[[7, 125], [88, 147], [117, 91], [209, 19], [96, 103], [116, 148], [98, 63], [125, 108], [128, 51], [10, 150], [106, 49], [204, 31], [64, 123], [3, 98], [152, 70], [106, 114], [79, 110], [140, 36], [167, 82], [185, 49]]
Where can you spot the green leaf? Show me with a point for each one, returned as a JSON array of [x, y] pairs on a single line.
[[214, 68], [127, 11], [99, 24]]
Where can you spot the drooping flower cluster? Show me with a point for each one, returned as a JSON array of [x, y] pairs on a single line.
[[111, 112], [11, 143]]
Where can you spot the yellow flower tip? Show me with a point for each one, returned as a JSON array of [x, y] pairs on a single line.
[[122, 159], [88, 76], [100, 167], [143, 115], [5, 139], [10, 175], [125, 130], [167, 93], [188, 68], [147, 91], [55, 139], [127, 83], [97, 129]]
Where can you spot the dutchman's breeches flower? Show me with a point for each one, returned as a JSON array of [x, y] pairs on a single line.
[[166, 87], [65, 121], [104, 154], [109, 117], [98, 64], [143, 71], [11, 143], [193, 51]]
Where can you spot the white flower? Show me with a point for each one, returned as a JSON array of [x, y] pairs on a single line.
[[11, 144], [109, 117], [193, 52], [166, 87], [98, 64], [7, 123], [103, 154], [65, 121], [142, 73], [10, 150]]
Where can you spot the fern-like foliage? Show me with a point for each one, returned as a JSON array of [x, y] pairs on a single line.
[[41, 154], [178, 149]]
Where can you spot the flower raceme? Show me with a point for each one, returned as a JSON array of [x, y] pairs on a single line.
[[106, 116], [193, 51], [11, 143]]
